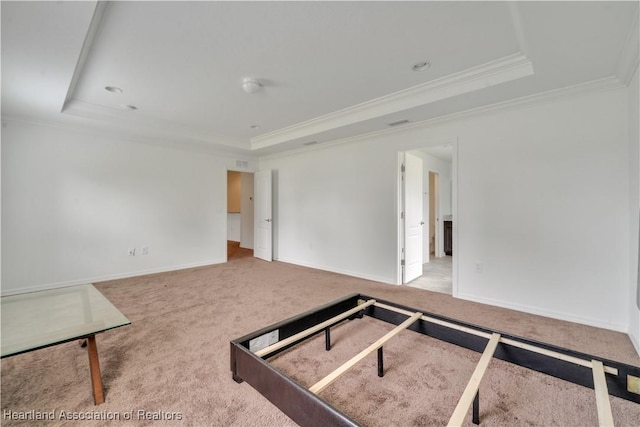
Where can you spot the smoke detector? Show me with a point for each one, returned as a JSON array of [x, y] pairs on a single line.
[[251, 85]]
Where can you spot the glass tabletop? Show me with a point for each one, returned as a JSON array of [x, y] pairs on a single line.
[[40, 319]]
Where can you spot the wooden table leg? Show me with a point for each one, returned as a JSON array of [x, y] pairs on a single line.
[[94, 366]]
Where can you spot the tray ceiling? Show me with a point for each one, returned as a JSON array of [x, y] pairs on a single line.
[[328, 70]]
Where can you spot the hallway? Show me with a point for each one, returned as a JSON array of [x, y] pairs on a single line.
[[436, 276], [234, 251]]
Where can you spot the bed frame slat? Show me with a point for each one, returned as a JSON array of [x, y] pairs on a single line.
[[605, 416], [474, 383], [326, 381]]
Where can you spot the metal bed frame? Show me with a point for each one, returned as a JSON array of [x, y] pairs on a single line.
[[249, 356]]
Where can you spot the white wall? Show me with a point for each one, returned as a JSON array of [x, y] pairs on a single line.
[[542, 204], [335, 209], [73, 203], [233, 226], [634, 211]]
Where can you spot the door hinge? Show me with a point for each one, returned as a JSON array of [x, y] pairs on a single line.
[[402, 262], [401, 215], [402, 168]]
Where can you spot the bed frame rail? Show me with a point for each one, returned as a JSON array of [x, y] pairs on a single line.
[[249, 356], [569, 365]]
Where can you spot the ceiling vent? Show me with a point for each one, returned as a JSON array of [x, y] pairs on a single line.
[[398, 122], [310, 143]]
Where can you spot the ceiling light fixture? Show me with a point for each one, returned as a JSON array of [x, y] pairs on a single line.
[[113, 89], [251, 85], [421, 66]]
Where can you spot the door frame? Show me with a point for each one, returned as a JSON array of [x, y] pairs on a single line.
[[453, 142], [242, 193]]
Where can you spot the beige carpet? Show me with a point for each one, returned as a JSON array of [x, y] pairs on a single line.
[[173, 361]]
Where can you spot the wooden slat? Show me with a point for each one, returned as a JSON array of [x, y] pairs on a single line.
[[474, 383], [605, 416], [555, 354], [436, 321], [312, 330], [508, 341], [326, 381]]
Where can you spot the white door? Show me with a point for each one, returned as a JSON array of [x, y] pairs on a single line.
[[413, 219], [263, 246]]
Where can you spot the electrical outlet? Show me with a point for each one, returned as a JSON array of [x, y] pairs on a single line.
[[144, 250], [132, 251], [477, 267]]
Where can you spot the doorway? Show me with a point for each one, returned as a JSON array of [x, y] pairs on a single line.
[[240, 215], [439, 198]]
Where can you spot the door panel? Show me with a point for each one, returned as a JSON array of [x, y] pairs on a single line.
[[413, 220], [263, 244]]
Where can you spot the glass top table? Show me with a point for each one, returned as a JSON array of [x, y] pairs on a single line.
[[37, 320]]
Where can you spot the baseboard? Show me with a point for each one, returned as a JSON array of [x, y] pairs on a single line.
[[380, 279], [634, 332], [64, 284], [546, 313], [635, 343]]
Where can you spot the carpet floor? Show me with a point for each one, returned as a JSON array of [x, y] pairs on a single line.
[[171, 365]]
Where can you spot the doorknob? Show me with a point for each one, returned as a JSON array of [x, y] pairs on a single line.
[[421, 222], [268, 219]]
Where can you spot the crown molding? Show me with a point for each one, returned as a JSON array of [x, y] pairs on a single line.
[[629, 58], [600, 85], [138, 122], [167, 141], [505, 69]]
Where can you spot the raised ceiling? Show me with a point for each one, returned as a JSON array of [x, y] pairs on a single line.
[[329, 70]]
